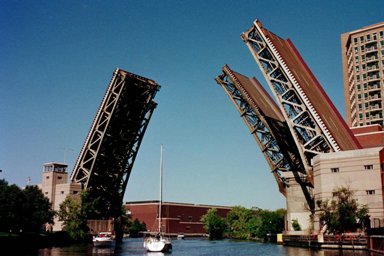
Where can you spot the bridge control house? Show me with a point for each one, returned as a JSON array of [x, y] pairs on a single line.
[[177, 218]]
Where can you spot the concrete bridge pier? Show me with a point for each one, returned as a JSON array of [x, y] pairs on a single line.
[[297, 209]]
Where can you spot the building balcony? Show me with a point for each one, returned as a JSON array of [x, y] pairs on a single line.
[[374, 118], [372, 68], [374, 88], [371, 46], [375, 108], [374, 78], [372, 59], [374, 98]]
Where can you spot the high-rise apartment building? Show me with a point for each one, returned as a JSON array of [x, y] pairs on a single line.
[[363, 71]]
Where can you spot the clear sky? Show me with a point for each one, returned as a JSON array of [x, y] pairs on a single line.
[[57, 58]]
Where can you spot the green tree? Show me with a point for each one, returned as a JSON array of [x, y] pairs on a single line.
[[243, 223], [213, 224], [343, 213], [296, 225], [136, 227], [272, 222], [37, 209], [74, 218], [23, 210]]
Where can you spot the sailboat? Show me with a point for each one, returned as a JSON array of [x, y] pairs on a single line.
[[158, 242]]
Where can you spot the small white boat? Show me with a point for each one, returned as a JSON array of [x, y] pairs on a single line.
[[180, 236], [103, 238], [159, 243]]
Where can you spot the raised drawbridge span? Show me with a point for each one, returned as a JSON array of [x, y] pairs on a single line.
[[106, 159], [303, 122]]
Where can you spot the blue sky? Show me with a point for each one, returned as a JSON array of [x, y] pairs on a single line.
[[57, 58]]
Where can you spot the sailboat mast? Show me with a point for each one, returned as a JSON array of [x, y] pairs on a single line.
[[161, 186]]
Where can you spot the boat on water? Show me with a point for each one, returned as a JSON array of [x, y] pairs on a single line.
[[157, 242], [103, 239]]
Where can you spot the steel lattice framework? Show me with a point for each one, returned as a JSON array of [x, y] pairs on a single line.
[[108, 154], [268, 128], [314, 129]]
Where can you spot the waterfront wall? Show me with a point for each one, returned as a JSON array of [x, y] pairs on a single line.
[[374, 243]]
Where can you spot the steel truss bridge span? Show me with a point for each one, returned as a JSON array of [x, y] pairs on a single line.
[[268, 127], [106, 159], [315, 124]]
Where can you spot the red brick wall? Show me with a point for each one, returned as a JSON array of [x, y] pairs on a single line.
[[177, 218]]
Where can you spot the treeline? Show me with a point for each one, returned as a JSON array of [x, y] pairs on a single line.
[[23, 210], [26, 211], [243, 223]]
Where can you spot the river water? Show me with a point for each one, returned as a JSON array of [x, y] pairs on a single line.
[[193, 247]]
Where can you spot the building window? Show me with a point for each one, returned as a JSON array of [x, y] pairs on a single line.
[[334, 170], [368, 167], [368, 37], [47, 177], [381, 34], [62, 192], [361, 39], [374, 36], [188, 227], [59, 177], [190, 218], [370, 192], [46, 193], [355, 39], [75, 192]]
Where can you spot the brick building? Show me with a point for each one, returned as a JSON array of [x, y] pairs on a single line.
[[177, 218]]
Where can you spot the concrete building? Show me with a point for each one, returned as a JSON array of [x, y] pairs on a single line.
[[359, 170], [177, 218], [363, 71], [55, 186]]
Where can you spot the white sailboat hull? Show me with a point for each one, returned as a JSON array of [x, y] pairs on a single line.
[[152, 244]]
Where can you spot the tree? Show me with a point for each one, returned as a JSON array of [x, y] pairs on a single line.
[[213, 224], [343, 213], [23, 209], [296, 225], [74, 218], [243, 223], [136, 227], [272, 222], [37, 209]]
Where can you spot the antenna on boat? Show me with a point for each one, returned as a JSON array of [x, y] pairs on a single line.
[[161, 186]]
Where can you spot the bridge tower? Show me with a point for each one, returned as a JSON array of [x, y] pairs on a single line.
[[106, 159]]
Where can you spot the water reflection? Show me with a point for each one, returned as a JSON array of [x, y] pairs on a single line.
[[195, 247], [335, 252]]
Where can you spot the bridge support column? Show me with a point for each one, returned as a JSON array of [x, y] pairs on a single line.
[[297, 209]]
